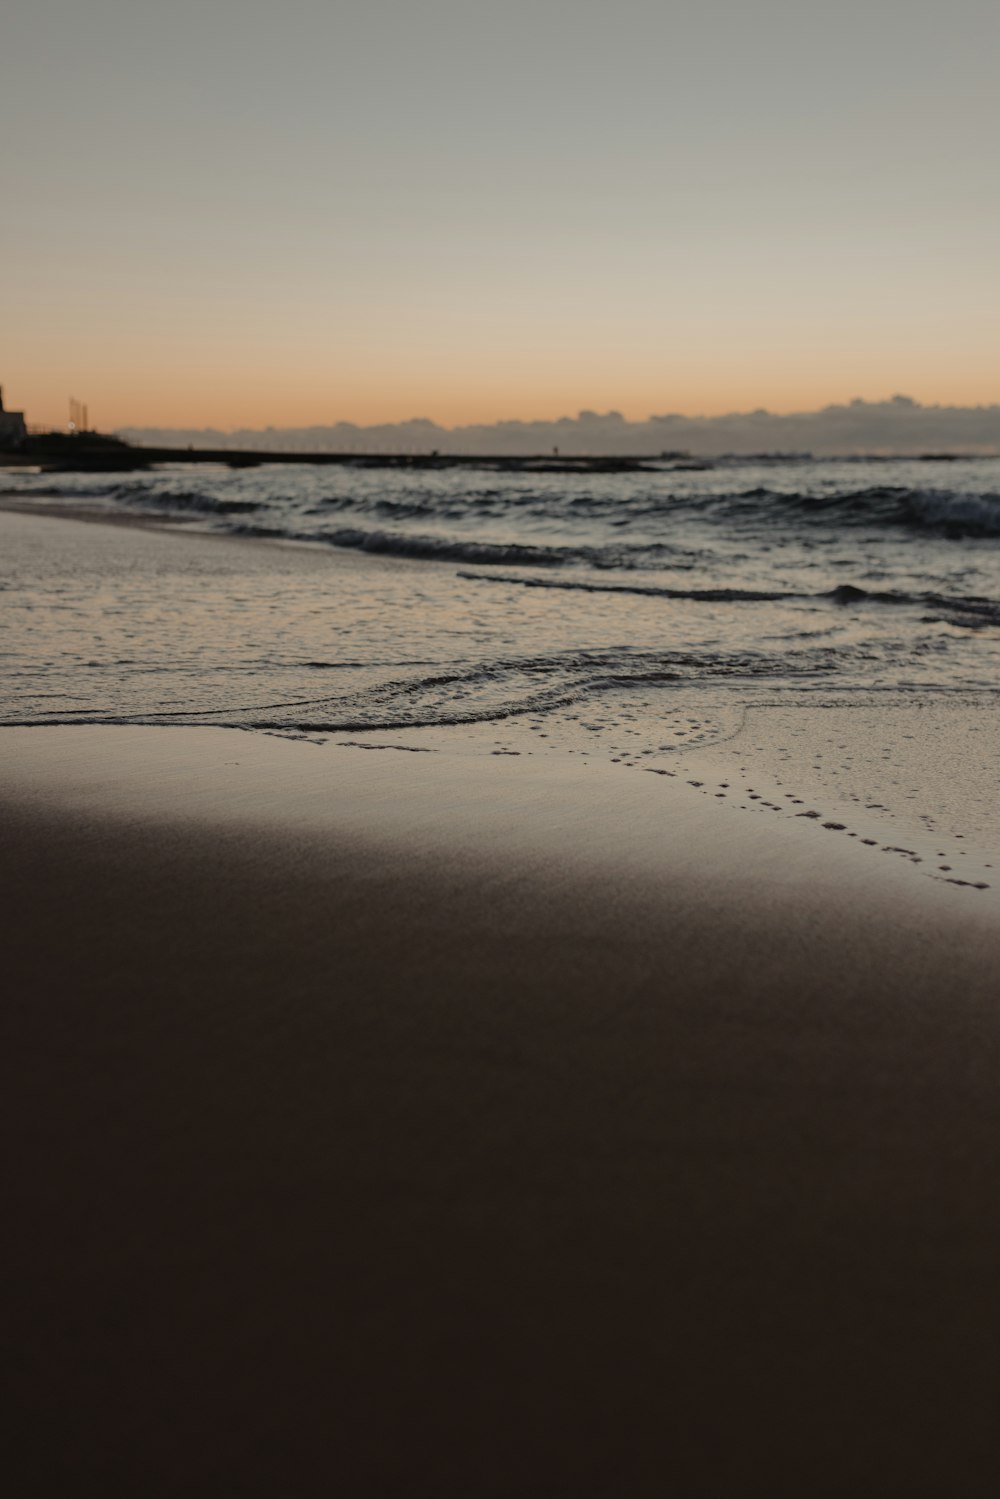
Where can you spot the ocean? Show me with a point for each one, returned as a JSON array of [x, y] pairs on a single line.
[[582, 606]]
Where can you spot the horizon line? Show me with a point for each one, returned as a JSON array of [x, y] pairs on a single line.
[[897, 403]]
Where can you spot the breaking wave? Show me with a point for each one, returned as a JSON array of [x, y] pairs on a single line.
[[954, 514], [632, 519]]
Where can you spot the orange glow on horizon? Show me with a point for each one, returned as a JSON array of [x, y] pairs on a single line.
[[227, 400]]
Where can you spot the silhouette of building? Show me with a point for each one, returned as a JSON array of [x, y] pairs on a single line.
[[12, 428]]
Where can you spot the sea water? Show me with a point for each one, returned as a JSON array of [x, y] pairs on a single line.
[[583, 604]]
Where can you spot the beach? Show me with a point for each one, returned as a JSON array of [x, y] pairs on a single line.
[[499, 751], [405, 1112]]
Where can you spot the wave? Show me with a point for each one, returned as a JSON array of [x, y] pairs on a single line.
[[949, 512], [442, 549], [619, 526], [985, 611], [957, 514], [187, 501], [573, 504], [163, 501], [482, 692], [647, 590], [502, 553]]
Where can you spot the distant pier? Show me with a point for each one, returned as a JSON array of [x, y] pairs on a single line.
[[95, 453]]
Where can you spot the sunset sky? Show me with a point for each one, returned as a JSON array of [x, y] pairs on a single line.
[[230, 212]]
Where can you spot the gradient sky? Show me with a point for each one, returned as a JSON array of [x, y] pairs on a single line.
[[230, 212]]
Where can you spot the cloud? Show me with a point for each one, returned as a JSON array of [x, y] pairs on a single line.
[[897, 425]]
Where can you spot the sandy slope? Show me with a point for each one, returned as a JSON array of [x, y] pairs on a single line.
[[422, 1124]]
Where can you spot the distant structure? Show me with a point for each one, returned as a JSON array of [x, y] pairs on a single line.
[[12, 428], [79, 419]]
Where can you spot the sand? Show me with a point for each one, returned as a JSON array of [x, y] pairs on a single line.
[[489, 1120], [399, 1124]]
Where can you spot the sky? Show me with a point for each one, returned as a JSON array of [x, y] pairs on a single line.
[[231, 213]]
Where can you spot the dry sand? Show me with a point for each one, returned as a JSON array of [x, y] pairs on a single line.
[[395, 1124]]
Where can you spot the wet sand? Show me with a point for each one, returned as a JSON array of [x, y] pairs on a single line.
[[387, 1123]]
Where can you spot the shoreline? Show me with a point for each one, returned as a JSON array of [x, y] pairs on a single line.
[[433, 1124], [910, 776], [465, 1110]]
